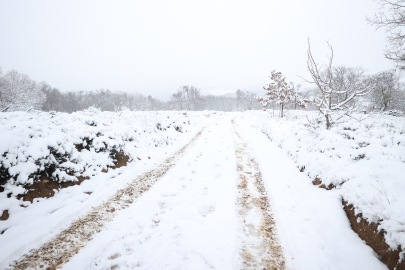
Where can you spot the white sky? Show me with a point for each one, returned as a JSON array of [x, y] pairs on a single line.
[[153, 46]]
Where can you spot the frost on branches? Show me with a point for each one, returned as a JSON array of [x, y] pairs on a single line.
[[18, 92], [280, 92], [339, 88]]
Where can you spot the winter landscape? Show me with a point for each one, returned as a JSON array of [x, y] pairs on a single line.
[[284, 172]]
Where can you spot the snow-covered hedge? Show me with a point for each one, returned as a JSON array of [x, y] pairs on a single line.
[[65, 146], [364, 159]]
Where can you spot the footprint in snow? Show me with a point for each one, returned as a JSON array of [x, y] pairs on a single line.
[[206, 209], [114, 256], [162, 205], [155, 222]]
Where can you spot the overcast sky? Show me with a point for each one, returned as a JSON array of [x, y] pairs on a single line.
[[152, 47]]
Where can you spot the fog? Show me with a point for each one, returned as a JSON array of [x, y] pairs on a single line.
[[153, 47]]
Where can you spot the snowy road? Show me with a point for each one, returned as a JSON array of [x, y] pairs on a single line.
[[186, 221], [206, 212]]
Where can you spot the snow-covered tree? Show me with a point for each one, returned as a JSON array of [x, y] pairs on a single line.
[[246, 101], [219, 103], [389, 92], [391, 16], [296, 89], [18, 92], [280, 92], [339, 87], [138, 102], [187, 98]]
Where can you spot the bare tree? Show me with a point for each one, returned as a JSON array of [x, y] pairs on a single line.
[[138, 102], [219, 103], [338, 87], [250, 101], [295, 89], [391, 16], [389, 92], [240, 96], [177, 100], [187, 97], [246, 101]]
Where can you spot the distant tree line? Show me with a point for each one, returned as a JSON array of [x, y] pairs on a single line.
[[20, 93]]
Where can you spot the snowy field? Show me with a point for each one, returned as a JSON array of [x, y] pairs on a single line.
[[31, 142], [363, 157], [196, 215]]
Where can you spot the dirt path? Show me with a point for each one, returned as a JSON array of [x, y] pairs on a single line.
[[65, 245], [188, 220], [208, 209], [260, 244]]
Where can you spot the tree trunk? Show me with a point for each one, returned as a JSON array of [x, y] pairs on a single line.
[[327, 121]]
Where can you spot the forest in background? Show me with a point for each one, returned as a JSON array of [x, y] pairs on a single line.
[[18, 92]]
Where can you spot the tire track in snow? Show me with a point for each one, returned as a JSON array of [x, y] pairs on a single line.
[[57, 251], [260, 244], [188, 219]]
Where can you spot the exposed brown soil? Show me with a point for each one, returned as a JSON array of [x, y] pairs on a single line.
[[79, 147], [368, 232], [375, 239], [5, 215], [45, 188], [318, 182], [120, 160]]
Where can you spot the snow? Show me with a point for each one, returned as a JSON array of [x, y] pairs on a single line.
[[189, 218], [365, 159], [30, 142], [313, 227], [29, 227]]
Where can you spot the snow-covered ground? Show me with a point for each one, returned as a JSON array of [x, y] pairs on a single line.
[[25, 139], [81, 143], [312, 226], [186, 221], [190, 218], [363, 157]]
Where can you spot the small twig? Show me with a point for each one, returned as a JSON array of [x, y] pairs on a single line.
[[371, 125], [6, 108], [351, 117]]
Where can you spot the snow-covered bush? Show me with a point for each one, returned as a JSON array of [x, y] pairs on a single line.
[[364, 160], [64, 146]]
